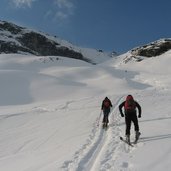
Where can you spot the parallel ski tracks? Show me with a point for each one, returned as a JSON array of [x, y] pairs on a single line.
[[99, 151]]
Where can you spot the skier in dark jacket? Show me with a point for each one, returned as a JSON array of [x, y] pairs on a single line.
[[130, 106], [106, 106]]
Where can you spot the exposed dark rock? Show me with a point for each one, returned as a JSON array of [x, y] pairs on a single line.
[[10, 47], [15, 39], [14, 29], [153, 49]]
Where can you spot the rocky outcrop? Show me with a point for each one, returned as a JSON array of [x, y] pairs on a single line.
[[15, 39], [153, 49]]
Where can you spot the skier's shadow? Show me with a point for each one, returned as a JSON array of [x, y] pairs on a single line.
[[141, 121], [156, 119], [155, 138]]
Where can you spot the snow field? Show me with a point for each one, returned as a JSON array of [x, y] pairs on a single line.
[[49, 112]]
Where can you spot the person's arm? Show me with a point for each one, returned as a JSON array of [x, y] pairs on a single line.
[[139, 109], [120, 108]]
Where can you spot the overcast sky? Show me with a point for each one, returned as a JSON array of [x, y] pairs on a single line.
[[110, 25]]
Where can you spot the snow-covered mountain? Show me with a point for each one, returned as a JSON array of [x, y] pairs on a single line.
[[20, 40], [50, 108], [152, 49]]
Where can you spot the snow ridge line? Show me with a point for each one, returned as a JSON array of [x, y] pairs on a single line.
[[87, 157]]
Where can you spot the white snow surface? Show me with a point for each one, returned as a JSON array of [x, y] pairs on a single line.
[[49, 113]]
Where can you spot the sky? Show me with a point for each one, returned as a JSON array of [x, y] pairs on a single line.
[[109, 25]]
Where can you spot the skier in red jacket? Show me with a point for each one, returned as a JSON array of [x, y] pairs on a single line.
[[130, 106]]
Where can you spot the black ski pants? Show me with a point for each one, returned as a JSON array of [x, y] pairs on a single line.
[[106, 115], [131, 117]]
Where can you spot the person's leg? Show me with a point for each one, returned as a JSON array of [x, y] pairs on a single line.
[[135, 121], [103, 118], [106, 115], [107, 118], [128, 127], [136, 127]]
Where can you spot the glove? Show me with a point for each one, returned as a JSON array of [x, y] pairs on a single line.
[[122, 115], [139, 116]]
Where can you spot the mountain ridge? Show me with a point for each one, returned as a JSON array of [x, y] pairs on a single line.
[[17, 39]]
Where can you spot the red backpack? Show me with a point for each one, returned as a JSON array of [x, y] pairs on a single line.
[[129, 103], [106, 103]]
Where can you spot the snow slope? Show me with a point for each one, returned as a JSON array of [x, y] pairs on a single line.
[[50, 109]]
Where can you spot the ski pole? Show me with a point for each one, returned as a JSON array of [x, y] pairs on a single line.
[[98, 121]]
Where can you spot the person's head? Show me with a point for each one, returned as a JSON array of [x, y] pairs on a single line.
[[106, 98], [129, 97]]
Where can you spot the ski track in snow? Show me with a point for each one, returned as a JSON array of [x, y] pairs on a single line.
[[101, 148]]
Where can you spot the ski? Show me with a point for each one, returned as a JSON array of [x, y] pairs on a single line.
[[124, 140]]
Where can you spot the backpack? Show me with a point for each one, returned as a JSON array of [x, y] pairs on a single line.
[[130, 103], [106, 103]]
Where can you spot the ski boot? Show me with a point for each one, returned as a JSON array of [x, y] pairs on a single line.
[[105, 125], [128, 139]]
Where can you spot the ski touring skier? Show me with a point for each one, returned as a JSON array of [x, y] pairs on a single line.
[[130, 112], [106, 107]]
